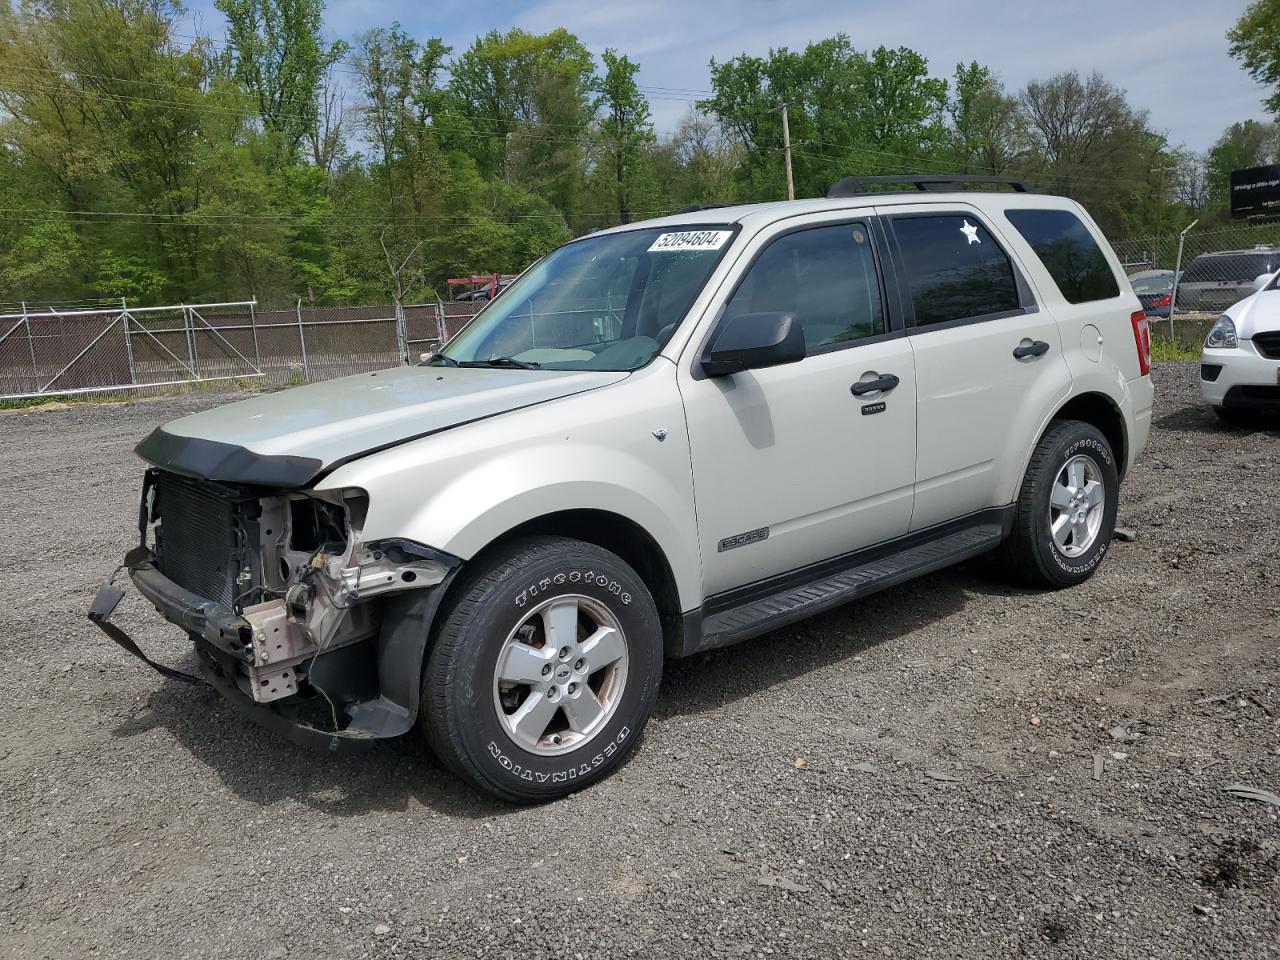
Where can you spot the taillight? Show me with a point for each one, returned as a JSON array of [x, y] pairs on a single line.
[[1162, 301], [1142, 337]]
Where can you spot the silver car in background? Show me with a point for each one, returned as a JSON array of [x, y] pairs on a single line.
[[1214, 281]]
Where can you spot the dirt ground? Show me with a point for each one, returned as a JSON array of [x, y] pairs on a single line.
[[953, 768]]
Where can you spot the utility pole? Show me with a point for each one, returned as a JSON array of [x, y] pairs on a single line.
[[786, 146]]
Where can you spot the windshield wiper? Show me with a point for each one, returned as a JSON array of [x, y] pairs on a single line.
[[511, 362], [446, 360]]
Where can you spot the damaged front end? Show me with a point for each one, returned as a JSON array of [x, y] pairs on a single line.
[[295, 618]]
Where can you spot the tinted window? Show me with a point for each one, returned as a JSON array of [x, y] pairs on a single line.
[[1239, 267], [1069, 252], [825, 276], [954, 268]]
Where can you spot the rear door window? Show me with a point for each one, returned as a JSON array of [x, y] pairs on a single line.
[[955, 269], [1069, 252]]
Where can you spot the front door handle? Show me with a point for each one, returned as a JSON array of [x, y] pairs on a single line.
[[885, 382], [1030, 348]]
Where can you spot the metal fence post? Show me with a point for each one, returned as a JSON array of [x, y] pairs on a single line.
[[128, 340], [302, 342], [31, 345], [253, 326], [189, 328], [441, 329], [1177, 269], [402, 333]]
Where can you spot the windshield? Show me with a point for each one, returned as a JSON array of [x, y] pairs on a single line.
[[1160, 284], [604, 303]]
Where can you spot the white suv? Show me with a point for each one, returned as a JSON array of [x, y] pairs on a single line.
[[663, 438]]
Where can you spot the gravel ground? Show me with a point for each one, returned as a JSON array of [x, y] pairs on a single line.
[[910, 776]]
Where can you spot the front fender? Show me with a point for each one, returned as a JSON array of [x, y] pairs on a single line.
[[478, 506], [622, 449]]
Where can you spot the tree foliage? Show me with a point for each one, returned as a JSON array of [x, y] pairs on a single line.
[[280, 162], [1255, 42]]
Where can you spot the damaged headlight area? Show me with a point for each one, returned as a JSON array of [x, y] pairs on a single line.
[[283, 596]]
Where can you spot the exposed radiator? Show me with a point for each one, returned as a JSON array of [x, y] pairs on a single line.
[[202, 539]]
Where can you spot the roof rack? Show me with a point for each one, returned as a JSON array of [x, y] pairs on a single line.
[[858, 186]]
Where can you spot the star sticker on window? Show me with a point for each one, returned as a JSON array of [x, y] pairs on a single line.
[[970, 232]]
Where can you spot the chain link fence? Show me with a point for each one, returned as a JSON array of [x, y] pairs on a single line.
[[64, 351], [1210, 286]]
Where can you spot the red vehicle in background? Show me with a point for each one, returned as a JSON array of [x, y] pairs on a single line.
[[481, 286]]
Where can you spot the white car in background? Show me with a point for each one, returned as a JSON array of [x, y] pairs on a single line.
[[1240, 365]]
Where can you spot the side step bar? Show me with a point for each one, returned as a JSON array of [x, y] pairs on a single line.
[[860, 579]]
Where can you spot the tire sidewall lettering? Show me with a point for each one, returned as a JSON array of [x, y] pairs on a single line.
[[542, 588], [576, 768]]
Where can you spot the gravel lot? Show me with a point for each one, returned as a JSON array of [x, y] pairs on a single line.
[[910, 776]]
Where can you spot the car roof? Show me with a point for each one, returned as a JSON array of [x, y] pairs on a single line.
[[758, 215], [1261, 248]]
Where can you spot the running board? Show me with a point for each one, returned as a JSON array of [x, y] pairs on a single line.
[[832, 589]]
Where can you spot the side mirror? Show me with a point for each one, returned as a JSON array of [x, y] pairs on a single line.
[[1261, 280], [751, 341]]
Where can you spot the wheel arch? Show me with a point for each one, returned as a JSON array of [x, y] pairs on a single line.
[[1102, 412], [621, 536]]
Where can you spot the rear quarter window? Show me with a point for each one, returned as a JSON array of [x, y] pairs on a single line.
[[1068, 251]]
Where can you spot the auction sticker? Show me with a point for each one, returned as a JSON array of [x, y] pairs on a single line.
[[691, 240]]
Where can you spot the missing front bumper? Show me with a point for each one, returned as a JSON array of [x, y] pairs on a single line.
[[377, 702]]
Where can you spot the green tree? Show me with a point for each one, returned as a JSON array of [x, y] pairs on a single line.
[[1242, 145], [849, 112], [1088, 143], [276, 51], [103, 106], [625, 132], [1255, 42], [37, 265], [519, 104], [988, 128]]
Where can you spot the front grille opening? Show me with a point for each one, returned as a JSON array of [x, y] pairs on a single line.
[[1268, 344], [315, 524]]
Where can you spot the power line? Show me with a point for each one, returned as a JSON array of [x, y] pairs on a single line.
[[198, 106], [196, 219]]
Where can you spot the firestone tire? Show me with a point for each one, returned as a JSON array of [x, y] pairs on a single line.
[[547, 623], [1032, 553]]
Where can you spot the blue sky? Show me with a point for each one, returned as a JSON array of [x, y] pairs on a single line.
[[1170, 55]]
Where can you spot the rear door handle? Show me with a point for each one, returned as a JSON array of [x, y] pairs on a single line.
[[885, 382], [1030, 348]]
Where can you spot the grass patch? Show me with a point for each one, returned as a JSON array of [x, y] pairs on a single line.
[[1167, 348]]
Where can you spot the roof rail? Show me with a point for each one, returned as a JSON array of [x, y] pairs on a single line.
[[858, 186]]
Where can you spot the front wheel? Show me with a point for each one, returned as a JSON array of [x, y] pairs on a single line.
[[1234, 416], [1065, 515], [545, 668]]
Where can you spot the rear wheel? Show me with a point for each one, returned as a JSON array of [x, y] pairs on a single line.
[[544, 671], [1065, 514]]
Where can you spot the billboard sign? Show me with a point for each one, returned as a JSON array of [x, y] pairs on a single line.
[[1255, 192]]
